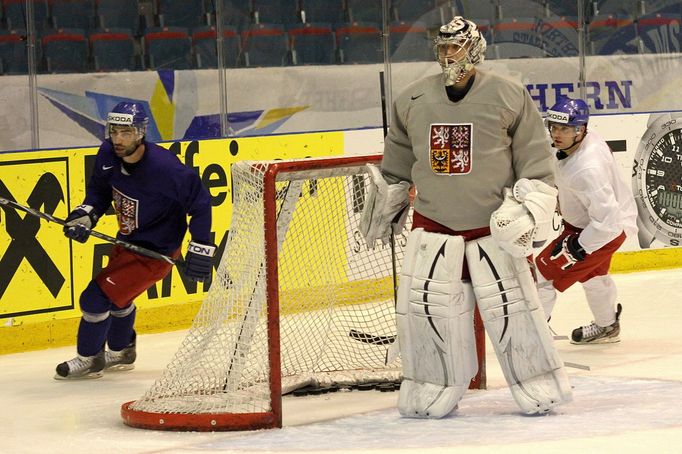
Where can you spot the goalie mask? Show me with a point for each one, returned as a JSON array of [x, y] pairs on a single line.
[[129, 116], [459, 46]]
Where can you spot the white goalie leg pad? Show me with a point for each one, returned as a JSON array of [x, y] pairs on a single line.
[[435, 326], [517, 327]]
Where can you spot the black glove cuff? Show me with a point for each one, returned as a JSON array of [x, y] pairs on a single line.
[[575, 248]]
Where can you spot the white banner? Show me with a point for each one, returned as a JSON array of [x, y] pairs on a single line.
[[263, 101]]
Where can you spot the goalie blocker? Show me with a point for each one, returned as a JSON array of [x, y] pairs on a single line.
[[385, 210], [435, 326]]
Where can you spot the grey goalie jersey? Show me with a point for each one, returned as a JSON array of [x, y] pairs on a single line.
[[460, 155]]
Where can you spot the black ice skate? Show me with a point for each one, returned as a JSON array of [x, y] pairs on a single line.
[[122, 359], [81, 367], [595, 334]]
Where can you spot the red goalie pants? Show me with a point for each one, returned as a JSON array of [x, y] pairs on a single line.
[[595, 264], [432, 226], [128, 275]]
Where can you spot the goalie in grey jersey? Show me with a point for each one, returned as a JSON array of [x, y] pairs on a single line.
[[474, 146]]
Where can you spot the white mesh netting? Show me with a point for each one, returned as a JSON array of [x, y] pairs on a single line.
[[331, 291]]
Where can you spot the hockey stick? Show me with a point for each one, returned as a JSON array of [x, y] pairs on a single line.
[[132, 247], [370, 338]]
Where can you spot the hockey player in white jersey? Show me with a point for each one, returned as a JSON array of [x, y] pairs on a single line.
[[598, 211], [474, 146]]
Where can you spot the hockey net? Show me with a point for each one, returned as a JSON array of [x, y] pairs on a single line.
[[297, 300]]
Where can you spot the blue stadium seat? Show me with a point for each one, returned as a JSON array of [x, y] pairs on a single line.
[[486, 29], [661, 6], [13, 56], [329, 11], [413, 10], [236, 13], [359, 43], [168, 48], [312, 44], [410, 42], [74, 14], [519, 8], [618, 7], [659, 33], [276, 11], [265, 45], [612, 34], [560, 36], [364, 11], [15, 14], [205, 47], [65, 50], [517, 37], [181, 13], [563, 8], [119, 14], [479, 9], [113, 49]]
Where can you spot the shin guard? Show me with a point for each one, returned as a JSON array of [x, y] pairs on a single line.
[[517, 327], [435, 326]]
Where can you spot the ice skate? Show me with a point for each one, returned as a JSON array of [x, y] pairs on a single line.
[[81, 367], [122, 359], [595, 334]]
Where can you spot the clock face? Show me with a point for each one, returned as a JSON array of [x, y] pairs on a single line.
[[658, 180], [663, 178]]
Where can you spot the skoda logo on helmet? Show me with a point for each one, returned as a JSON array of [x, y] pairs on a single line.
[[120, 118], [558, 117]]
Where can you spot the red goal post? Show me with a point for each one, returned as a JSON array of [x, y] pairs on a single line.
[[297, 300]]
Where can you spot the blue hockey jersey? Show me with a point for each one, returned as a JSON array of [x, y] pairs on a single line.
[[152, 198]]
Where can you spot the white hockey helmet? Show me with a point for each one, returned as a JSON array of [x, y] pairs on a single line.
[[458, 34]]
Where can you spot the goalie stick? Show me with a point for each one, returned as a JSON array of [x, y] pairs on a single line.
[[132, 247], [392, 351]]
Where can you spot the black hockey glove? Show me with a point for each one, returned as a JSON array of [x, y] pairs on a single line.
[[79, 223], [199, 261], [568, 252]]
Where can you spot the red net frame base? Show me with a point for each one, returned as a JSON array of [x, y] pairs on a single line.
[[198, 422]]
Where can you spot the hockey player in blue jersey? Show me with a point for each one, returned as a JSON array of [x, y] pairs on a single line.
[[153, 193]]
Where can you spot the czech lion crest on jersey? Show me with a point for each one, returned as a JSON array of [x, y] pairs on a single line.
[[450, 148], [126, 212]]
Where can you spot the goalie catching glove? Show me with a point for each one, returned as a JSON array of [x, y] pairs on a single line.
[[199, 261], [524, 220], [385, 210]]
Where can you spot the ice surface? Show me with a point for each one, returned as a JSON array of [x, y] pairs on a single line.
[[629, 401]]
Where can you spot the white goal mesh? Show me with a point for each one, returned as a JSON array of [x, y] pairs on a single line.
[[297, 299]]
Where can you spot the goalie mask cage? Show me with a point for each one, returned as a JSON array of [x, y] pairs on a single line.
[[297, 300]]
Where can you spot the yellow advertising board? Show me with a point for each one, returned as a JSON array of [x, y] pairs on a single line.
[[42, 273]]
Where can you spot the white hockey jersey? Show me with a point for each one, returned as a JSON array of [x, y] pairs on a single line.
[[592, 194]]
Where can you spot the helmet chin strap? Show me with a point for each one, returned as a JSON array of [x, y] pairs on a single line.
[[561, 154]]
